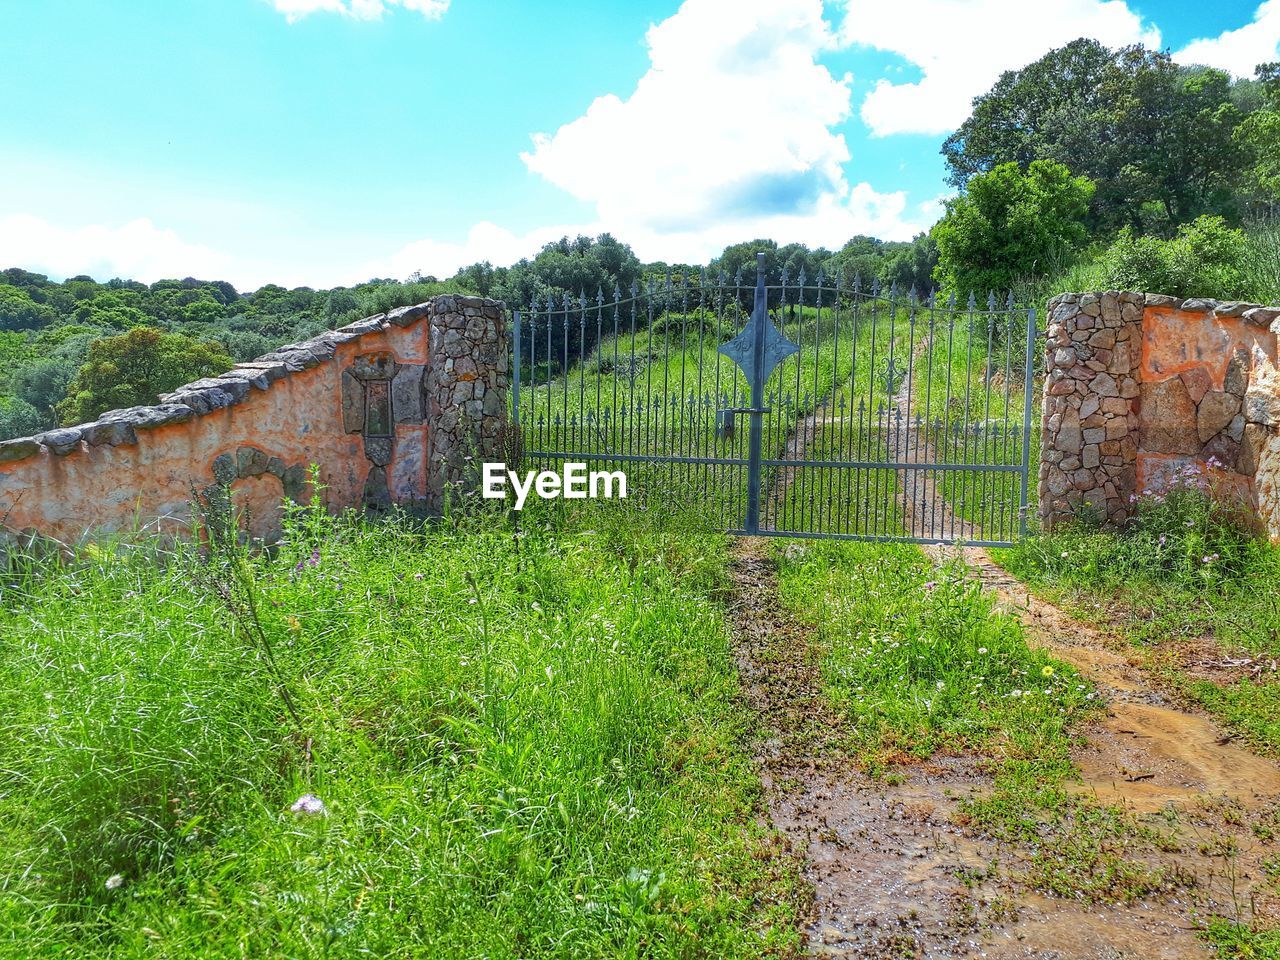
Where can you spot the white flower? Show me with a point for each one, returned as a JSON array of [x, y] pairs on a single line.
[[309, 805], [115, 881], [941, 685], [982, 649]]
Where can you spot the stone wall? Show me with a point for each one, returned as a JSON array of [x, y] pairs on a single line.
[[378, 406], [1143, 388]]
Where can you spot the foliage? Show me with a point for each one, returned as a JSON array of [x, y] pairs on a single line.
[[19, 418], [1009, 224], [920, 660], [1206, 259], [1157, 138], [1186, 571], [134, 368], [550, 763]]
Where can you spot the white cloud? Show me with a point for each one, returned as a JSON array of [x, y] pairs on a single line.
[[962, 46], [358, 9], [1239, 51], [137, 250], [730, 134], [485, 241]]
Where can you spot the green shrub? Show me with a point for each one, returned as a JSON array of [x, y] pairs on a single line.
[[1207, 258]]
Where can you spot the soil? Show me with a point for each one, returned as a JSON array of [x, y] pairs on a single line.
[[894, 872]]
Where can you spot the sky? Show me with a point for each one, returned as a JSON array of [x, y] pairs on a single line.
[[325, 142]]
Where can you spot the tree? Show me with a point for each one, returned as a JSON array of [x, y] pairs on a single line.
[[19, 419], [1154, 136], [1009, 225], [134, 368], [43, 383], [1205, 259], [18, 311]]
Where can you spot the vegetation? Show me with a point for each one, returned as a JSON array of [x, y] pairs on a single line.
[[500, 748], [1008, 222], [1182, 583], [134, 368]]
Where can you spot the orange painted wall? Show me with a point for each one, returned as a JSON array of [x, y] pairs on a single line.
[[148, 484]]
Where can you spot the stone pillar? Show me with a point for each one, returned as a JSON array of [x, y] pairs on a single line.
[[1089, 439], [467, 374]]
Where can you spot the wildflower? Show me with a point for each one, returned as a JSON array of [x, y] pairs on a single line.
[[1214, 463], [930, 585], [1209, 559], [1064, 554], [982, 649], [941, 685], [309, 805], [115, 881], [1163, 539], [1046, 671], [418, 577], [314, 559], [294, 624]]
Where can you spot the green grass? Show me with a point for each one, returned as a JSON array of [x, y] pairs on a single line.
[[548, 763], [1186, 575], [922, 664], [920, 661]]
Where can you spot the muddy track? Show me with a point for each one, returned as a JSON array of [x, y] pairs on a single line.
[[893, 873]]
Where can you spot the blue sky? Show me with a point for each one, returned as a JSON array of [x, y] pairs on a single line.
[[326, 141]]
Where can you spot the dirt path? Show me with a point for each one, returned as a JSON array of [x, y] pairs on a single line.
[[893, 873]]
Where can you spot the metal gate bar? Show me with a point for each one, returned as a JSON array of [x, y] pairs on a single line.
[[866, 417]]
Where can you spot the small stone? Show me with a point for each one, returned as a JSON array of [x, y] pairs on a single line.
[[18, 449], [405, 316], [1104, 385], [1261, 316], [1162, 300], [1197, 382], [113, 433], [61, 441], [1231, 308], [225, 469]]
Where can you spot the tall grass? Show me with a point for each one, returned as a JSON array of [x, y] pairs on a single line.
[[519, 752]]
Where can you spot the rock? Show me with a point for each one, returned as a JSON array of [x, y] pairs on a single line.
[[1261, 316], [1199, 305], [1222, 448], [225, 469], [379, 450], [1168, 418], [1231, 308], [60, 442], [404, 316], [1252, 444], [112, 432], [18, 449], [251, 462], [1104, 385], [353, 401], [1162, 300], [1236, 379], [1197, 382], [406, 394], [1214, 412], [376, 494]]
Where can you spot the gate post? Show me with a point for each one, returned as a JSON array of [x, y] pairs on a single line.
[[759, 320], [467, 371]]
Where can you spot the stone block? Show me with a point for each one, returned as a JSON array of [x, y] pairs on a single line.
[[406, 394], [18, 449], [1214, 412], [61, 441], [1197, 381], [1168, 418]]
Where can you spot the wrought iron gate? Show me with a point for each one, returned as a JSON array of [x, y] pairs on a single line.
[[801, 408]]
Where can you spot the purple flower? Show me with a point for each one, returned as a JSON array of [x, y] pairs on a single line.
[[315, 557], [930, 585]]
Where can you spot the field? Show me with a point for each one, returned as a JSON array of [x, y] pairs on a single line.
[[610, 730]]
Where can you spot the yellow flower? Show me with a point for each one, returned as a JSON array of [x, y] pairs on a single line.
[[1046, 671], [295, 624]]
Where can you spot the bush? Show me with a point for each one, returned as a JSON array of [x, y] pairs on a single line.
[[1194, 534], [19, 418], [1207, 258]]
